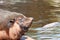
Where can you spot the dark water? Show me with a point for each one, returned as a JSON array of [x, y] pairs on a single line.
[[44, 12]]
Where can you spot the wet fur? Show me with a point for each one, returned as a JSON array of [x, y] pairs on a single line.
[[7, 28], [6, 17]]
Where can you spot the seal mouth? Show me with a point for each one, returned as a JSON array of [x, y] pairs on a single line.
[[24, 28]]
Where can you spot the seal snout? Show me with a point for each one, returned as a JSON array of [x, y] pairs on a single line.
[[31, 18]]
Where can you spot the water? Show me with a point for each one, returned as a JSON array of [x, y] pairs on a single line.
[[47, 32], [52, 33]]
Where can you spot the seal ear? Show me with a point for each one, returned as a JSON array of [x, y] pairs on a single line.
[[12, 21]]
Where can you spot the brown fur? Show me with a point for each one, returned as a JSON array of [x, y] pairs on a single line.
[[6, 16], [10, 25]]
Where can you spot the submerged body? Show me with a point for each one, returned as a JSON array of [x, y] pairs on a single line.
[[13, 25]]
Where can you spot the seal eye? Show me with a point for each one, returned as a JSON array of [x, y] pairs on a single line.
[[12, 21]]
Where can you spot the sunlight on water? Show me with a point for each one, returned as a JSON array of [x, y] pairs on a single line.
[[46, 34]]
